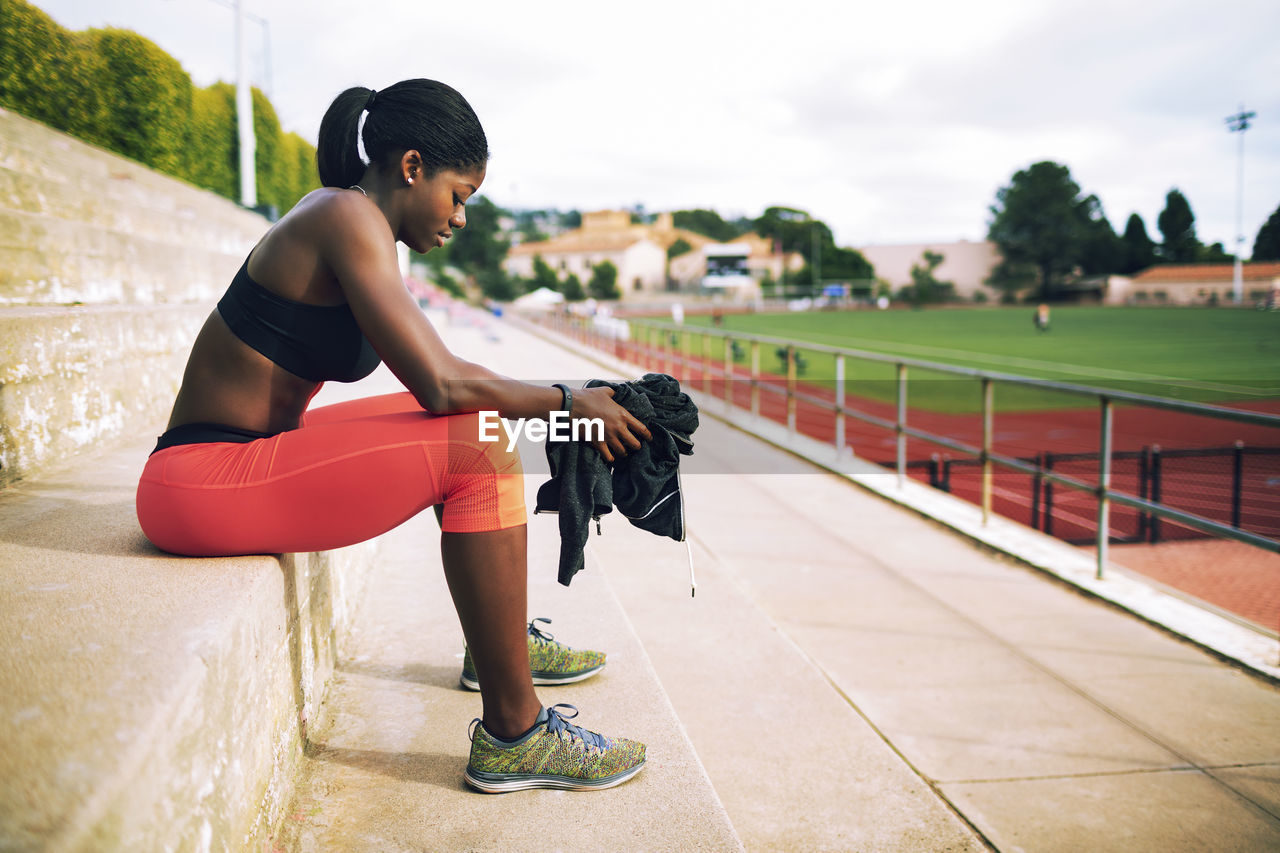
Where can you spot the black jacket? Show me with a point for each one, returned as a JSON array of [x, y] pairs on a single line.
[[644, 484]]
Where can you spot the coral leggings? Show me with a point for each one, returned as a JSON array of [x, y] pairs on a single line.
[[350, 472]]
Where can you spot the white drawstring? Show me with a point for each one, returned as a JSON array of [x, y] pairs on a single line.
[[693, 584]]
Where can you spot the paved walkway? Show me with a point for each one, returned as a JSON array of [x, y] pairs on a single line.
[[853, 676]]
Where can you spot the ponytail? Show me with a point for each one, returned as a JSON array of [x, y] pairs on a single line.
[[337, 154], [363, 127]]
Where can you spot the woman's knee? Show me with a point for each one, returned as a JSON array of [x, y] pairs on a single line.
[[485, 481]]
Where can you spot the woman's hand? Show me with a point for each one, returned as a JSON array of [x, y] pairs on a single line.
[[623, 431]]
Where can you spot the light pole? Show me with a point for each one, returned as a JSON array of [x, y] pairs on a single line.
[[1239, 123], [244, 117], [244, 99]]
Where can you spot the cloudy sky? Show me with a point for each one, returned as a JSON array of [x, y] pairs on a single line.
[[893, 122]]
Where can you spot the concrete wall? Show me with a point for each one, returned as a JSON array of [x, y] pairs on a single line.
[[966, 264], [107, 271]]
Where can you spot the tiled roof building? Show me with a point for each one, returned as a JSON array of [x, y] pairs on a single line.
[[639, 251], [1189, 284]]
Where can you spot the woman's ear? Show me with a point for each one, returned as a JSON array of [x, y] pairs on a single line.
[[410, 166]]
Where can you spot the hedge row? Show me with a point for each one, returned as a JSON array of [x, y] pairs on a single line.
[[116, 89]]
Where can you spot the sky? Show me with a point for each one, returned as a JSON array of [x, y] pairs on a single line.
[[891, 122]]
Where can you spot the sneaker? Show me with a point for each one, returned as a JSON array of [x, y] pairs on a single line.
[[553, 754], [549, 662]]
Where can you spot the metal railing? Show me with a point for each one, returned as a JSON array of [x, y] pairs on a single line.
[[667, 345]]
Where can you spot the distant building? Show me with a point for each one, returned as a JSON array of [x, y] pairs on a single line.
[[639, 251], [1195, 284], [966, 264]]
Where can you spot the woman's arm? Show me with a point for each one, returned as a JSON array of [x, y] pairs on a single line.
[[368, 271]]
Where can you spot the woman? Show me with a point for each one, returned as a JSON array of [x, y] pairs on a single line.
[[245, 468]]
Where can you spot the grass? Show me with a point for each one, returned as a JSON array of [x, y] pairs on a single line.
[[1215, 355]]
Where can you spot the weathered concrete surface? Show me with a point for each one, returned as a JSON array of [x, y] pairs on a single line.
[[151, 702], [50, 261], [1047, 719], [107, 270], [52, 175], [74, 377]]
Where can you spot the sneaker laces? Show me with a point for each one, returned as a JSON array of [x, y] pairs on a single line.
[[538, 634], [558, 723]]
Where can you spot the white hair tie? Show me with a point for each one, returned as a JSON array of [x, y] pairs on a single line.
[[364, 155]]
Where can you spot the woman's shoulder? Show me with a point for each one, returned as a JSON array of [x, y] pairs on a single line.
[[329, 202], [328, 212]]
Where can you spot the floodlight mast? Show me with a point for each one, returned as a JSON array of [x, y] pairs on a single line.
[[1239, 123]]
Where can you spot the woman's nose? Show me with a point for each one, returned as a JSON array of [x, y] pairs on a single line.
[[459, 219]]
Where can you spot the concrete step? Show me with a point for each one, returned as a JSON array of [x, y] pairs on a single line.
[[171, 213], [71, 378], [82, 225], [50, 261], [150, 702], [54, 160]]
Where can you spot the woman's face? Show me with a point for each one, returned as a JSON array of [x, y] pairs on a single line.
[[437, 207]]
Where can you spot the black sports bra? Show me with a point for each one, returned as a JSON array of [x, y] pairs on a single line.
[[315, 342]]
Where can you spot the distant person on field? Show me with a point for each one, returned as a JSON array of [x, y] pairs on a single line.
[[1041, 318], [247, 466]]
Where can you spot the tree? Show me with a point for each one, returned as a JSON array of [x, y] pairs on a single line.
[[678, 248], [708, 223], [604, 281], [841, 264], [51, 74], [1100, 249], [1266, 246], [299, 176], [791, 228], [795, 231], [271, 171], [543, 275], [496, 284], [573, 291], [1137, 250], [1214, 253], [1011, 279], [925, 288], [1177, 225], [212, 161], [114, 88], [1039, 220], [149, 96]]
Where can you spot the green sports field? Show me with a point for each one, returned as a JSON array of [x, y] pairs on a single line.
[[1206, 354]]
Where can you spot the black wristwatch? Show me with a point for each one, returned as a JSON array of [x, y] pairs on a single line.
[[567, 405]]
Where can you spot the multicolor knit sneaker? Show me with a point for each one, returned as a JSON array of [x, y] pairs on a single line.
[[554, 754], [550, 662]]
